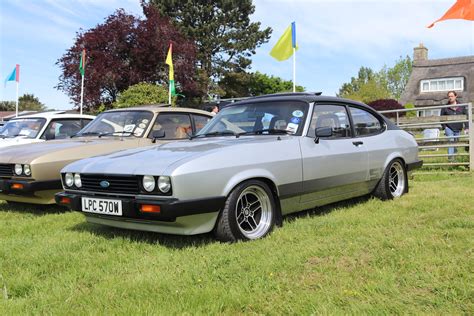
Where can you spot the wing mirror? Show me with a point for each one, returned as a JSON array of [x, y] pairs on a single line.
[[157, 134], [322, 132]]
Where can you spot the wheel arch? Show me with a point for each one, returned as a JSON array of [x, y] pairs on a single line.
[[268, 179]]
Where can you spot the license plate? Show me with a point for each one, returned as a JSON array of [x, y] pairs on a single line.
[[102, 206]]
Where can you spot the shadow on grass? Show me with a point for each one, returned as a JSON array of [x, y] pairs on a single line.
[[326, 209], [170, 241], [34, 209]]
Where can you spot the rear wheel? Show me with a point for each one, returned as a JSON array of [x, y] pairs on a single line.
[[394, 182], [249, 213]]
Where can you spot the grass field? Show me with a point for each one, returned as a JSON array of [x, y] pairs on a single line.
[[413, 255]]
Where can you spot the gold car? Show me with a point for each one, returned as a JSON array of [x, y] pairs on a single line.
[[30, 173]]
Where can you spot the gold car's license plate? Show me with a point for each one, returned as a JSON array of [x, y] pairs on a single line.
[[102, 206]]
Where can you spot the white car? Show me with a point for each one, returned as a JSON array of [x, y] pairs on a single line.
[[39, 127]]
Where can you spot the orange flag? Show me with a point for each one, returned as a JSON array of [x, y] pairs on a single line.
[[462, 9]]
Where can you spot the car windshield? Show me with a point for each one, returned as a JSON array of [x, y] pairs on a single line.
[[118, 123], [258, 118], [26, 127]]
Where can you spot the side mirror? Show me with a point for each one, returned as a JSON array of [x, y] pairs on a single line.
[[157, 134], [322, 132]]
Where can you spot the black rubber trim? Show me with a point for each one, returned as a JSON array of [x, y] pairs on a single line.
[[414, 165], [170, 208], [29, 187]]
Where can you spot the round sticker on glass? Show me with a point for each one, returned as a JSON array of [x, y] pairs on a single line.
[[295, 120], [298, 113]]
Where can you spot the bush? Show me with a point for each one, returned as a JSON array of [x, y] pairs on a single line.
[[387, 104], [142, 94], [410, 113]]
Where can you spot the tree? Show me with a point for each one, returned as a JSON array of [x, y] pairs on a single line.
[[7, 106], [28, 102], [142, 94], [397, 76], [125, 50], [368, 86], [388, 83], [224, 36], [242, 84]]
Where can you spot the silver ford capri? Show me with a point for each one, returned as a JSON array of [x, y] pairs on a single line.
[[256, 161]]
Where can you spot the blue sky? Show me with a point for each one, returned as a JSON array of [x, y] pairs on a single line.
[[335, 38]]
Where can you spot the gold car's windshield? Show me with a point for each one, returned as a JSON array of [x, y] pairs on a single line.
[[119, 123], [27, 128], [259, 119]]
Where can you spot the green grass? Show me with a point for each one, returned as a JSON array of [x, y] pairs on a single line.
[[413, 255]]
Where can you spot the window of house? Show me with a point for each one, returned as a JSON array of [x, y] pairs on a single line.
[[444, 84]]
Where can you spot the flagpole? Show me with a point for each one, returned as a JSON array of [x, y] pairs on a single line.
[[82, 93], [17, 84], [294, 69], [169, 94]]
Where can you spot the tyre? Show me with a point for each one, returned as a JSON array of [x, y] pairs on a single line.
[[249, 213], [394, 182]]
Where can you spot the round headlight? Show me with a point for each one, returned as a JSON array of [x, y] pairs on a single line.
[[69, 179], [27, 170], [77, 180], [148, 183], [164, 184], [18, 169]]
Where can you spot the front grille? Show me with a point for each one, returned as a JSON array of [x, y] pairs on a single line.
[[6, 170], [117, 184]]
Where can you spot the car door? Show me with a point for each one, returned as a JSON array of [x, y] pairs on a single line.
[[336, 167], [369, 128]]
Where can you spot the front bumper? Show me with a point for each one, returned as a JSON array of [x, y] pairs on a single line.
[[170, 209], [27, 188]]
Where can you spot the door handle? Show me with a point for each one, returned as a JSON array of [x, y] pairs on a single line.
[[358, 143]]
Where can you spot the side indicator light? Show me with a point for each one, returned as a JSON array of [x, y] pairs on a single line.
[[17, 186], [147, 208]]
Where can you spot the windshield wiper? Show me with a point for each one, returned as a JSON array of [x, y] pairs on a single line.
[[224, 133], [85, 134], [112, 133], [266, 130]]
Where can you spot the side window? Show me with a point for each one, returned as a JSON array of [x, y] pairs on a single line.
[[365, 123], [334, 116], [200, 121], [61, 129], [175, 125]]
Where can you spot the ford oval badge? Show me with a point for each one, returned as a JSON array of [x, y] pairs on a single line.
[[104, 184]]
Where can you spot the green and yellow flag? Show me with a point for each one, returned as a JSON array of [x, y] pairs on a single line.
[[169, 62], [283, 49]]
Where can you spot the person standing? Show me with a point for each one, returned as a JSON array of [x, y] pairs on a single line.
[[215, 110], [453, 130]]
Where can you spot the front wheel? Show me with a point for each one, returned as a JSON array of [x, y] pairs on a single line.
[[394, 182], [249, 213]]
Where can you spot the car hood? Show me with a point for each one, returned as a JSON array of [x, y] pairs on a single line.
[[67, 149], [161, 159], [20, 140]]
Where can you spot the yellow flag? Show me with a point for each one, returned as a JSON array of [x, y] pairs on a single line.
[[169, 62], [283, 49]]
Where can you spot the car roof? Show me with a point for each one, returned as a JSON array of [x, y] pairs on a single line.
[[54, 114], [156, 108], [297, 96]]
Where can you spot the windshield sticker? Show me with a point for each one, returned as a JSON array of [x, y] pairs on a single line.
[[142, 125], [138, 131], [298, 113], [292, 127], [129, 128], [295, 120]]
